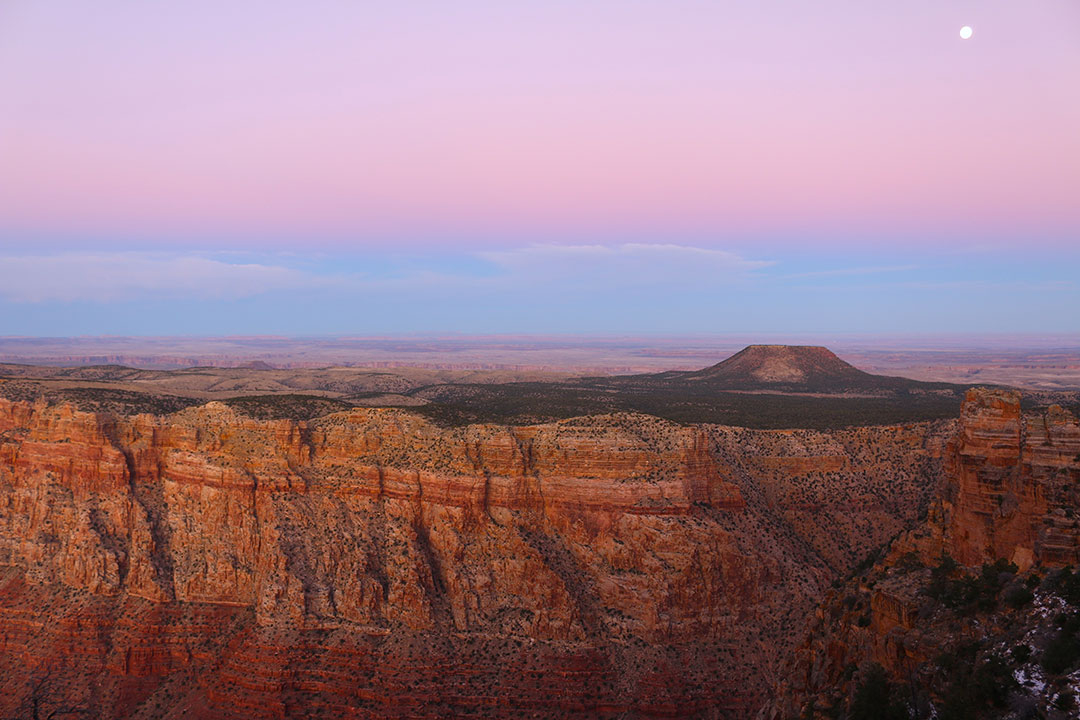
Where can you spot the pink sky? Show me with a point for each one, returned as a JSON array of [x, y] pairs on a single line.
[[350, 123]]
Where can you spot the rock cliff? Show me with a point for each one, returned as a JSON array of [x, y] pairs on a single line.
[[372, 564], [982, 575]]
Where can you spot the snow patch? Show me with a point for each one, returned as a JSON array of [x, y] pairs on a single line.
[[1030, 677]]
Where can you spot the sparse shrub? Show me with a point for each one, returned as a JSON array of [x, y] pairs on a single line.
[[874, 697], [1063, 652], [1017, 596], [1067, 584], [967, 594], [975, 685], [282, 407]]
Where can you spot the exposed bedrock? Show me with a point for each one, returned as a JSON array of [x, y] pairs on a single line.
[[1010, 492], [371, 564]]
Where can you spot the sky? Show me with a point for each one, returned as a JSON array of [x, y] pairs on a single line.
[[681, 166]]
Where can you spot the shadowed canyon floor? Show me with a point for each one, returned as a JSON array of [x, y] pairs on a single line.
[[283, 558]]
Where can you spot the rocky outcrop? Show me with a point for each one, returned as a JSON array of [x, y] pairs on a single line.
[[369, 563], [1013, 484], [1009, 496]]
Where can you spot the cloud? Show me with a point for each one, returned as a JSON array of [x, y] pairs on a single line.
[[844, 272], [626, 264], [552, 269], [106, 277]]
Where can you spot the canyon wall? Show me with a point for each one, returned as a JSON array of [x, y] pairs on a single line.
[[372, 564], [1013, 484], [1010, 495]]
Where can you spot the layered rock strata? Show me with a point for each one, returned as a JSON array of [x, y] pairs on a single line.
[[371, 564], [1011, 493]]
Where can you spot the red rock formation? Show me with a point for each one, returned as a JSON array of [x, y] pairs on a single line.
[[1012, 483], [1012, 479], [370, 564], [1010, 492]]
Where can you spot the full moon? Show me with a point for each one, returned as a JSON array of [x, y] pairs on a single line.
[[965, 32]]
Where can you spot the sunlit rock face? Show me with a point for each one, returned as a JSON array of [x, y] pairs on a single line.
[[1013, 483], [371, 564]]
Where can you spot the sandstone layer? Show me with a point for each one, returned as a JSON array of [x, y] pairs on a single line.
[[1010, 496], [372, 564]]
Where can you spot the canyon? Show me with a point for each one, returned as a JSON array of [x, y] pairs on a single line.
[[972, 613], [369, 563], [280, 555]]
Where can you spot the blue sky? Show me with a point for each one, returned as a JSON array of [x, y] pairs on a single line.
[[662, 166], [612, 288]]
